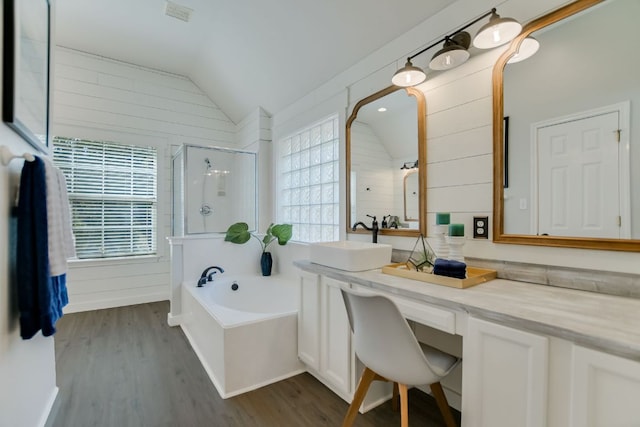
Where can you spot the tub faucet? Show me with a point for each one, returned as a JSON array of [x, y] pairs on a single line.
[[208, 277], [374, 228]]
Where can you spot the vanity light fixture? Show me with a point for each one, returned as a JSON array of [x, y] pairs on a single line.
[[527, 49], [453, 53], [409, 165], [409, 75], [496, 32]]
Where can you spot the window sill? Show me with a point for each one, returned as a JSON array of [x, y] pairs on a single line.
[[101, 262]]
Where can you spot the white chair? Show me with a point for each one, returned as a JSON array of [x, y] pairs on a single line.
[[386, 345]]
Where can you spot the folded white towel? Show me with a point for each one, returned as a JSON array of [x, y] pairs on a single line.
[[60, 233]]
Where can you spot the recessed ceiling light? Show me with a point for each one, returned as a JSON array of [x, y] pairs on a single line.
[[382, 109]]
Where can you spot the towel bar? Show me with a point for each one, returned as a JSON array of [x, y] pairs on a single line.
[[6, 155]]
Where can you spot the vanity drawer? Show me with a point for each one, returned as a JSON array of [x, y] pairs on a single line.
[[421, 312], [427, 314]]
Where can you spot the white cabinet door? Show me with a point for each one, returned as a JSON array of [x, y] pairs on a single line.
[[605, 390], [309, 320], [505, 377], [336, 359]]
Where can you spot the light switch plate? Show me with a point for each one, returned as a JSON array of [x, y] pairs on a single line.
[[480, 227]]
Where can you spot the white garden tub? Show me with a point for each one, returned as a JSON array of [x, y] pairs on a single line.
[[245, 338]]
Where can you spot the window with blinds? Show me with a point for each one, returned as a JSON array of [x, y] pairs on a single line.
[[113, 196]]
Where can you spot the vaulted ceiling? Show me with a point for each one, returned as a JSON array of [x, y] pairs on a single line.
[[242, 53]]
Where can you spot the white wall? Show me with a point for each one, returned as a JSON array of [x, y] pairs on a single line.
[[27, 368], [100, 98], [459, 135], [254, 134]]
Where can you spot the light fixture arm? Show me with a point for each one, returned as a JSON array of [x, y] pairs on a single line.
[[478, 19]]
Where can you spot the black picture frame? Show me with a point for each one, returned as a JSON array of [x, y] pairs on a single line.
[[505, 151], [26, 69]]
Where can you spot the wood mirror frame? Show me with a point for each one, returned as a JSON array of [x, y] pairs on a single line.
[[498, 154], [422, 160]]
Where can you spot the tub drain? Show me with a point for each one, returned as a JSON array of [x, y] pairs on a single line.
[[234, 286]]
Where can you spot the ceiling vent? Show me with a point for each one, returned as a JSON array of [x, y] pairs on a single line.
[[178, 11]]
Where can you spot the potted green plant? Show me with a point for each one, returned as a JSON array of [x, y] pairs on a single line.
[[239, 233]]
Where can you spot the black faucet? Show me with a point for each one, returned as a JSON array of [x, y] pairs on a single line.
[[208, 277], [374, 228]]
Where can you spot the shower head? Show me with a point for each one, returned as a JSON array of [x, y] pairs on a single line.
[[208, 166]]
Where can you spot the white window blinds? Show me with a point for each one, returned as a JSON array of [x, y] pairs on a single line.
[[113, 196]]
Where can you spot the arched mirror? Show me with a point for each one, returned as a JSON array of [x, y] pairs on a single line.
[[386, 157], [571, 150]]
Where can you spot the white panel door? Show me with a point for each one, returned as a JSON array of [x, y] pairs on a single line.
[[578, 179], [309, 320], [504, 382], [336, 360], [605, 390]]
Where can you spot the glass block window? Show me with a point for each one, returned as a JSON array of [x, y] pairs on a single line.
[[308, 180], [113, 196]]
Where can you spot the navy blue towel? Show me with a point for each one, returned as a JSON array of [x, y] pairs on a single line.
[[450, 268], [40, 296]]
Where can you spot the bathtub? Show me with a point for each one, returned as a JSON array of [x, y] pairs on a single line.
[[243, 329]]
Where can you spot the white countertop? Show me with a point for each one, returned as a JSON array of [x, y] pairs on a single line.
[[604, 322]]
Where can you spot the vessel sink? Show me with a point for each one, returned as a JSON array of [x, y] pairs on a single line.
[[350, 255]]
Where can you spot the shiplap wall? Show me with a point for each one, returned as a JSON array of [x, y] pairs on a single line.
[[459, 148], [100, 98], [459, 132]]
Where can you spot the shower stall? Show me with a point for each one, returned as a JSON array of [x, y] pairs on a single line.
[[213, 188]]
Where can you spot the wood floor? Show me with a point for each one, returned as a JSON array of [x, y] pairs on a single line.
[[125, 367]]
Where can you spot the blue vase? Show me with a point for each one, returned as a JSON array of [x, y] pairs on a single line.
[[266, 262]]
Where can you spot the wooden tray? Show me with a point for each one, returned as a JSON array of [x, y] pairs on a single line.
[[475, 276]]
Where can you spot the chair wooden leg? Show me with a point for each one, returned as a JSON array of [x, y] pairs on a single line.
[[394, 398], [363, 385], [404, 405], [443, 405]]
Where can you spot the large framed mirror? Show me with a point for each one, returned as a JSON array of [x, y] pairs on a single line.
[[386, 158], [573, 138]]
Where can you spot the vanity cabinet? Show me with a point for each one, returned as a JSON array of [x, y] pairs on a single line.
[[505, 376], [309, 320], [324, 340], [514, 377], [605, 390], [324, 334], [524, 364], [336, 357]]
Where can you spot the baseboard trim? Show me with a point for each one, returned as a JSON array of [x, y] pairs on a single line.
[[174, 320], [49, 413], [100, 304]]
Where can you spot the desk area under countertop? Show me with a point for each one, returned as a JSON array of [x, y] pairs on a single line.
[[532, 354], [603, 322]]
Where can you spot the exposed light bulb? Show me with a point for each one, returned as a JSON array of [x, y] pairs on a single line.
[[447, 60], [496, 34]]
